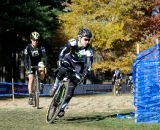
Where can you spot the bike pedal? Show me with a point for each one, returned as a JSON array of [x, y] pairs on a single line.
[[30, 101], [61, 114], [67, 107]]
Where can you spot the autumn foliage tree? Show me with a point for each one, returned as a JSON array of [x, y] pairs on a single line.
[[114, 24], [151, 22], [149, 25]]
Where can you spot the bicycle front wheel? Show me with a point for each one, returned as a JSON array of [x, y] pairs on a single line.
[[36, 92], [37, 100], [56, 104], [114, 90]]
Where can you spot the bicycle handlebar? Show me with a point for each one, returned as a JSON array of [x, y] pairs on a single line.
[[78, 75], [35, 67]]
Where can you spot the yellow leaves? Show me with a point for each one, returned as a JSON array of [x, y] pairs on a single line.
[[125, 63], [110, 21], [103, 22], [108, 33]]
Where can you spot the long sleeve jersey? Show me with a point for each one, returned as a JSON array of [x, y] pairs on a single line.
[[34, 55], [78, 53]]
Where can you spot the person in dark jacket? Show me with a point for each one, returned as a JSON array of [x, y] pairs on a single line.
[[78, 55], [35, 55]]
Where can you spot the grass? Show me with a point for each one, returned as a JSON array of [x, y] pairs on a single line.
[[33, 119]]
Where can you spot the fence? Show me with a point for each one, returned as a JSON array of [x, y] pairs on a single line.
[[146, 75], [9, 89]]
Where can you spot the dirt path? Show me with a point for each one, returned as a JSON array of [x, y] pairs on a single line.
[[93, 103]]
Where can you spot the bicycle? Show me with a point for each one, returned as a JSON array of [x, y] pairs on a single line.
[[130, 86], [131, 89], [59, 97], [36, 87], [117, 87]]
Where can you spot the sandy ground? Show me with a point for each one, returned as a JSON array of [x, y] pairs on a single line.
[[92, 103]]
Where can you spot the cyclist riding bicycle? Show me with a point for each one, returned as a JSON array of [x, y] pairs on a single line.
[[117, 81], [117, 75], [76, 54], [129, 83], [34, 55]]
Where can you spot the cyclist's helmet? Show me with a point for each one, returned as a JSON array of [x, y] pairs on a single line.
[[83, 32], [41, 64], [117, 71], [34, 35]]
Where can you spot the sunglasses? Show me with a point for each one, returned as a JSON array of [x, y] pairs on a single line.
[[87, 39], [35, 40]]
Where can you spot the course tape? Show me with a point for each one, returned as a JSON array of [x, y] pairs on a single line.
[[8, 83], [20, 88]]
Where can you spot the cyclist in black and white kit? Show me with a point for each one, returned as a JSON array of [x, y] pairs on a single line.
[[77, 54], [35, 55], [117, 75]]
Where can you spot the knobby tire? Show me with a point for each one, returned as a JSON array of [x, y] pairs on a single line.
[[36, 93], [57, 103]]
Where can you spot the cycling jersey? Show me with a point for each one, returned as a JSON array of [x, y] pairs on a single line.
[[34, 55], [74, 54], [117, 75]]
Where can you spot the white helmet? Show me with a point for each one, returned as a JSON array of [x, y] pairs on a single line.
[[34, 35], [41, 65]]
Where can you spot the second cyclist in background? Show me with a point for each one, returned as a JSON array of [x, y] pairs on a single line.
[[117, 75], [35, 55], [129, 84], [117, 80]]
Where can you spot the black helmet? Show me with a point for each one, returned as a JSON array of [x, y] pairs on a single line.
[[83, 32], [34, 35]]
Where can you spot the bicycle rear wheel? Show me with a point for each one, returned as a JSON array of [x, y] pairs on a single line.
[[118, 89], [131, 88], [114, 90], [56, 103]]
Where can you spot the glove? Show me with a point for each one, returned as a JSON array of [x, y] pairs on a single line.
[[113, 81], [45, 70], [59, 62], [26, 72]]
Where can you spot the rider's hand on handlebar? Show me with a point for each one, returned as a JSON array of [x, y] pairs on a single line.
[[59, 62], [26, 72]]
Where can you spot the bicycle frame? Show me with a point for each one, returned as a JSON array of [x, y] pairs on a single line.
[[117, 87], [130, 86], [57, 102], [59, 98]]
